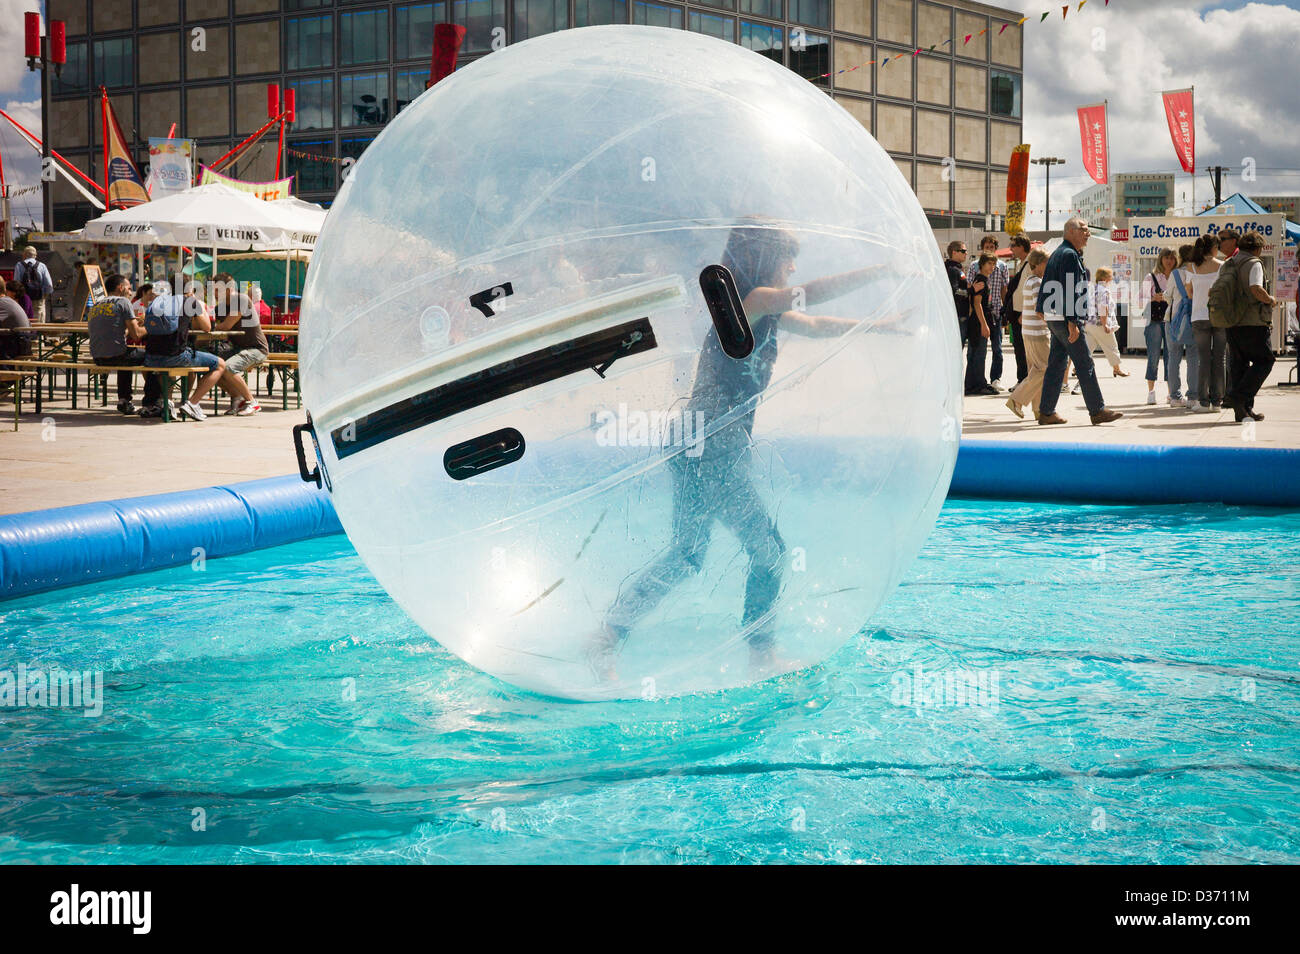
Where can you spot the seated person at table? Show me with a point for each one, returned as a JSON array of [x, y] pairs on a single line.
[[110, 323], [14, 343], [246, 347], [167, 324], [144, 296]]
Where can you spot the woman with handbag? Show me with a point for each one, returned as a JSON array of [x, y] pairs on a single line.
[[1180, 340], [1156, 294]]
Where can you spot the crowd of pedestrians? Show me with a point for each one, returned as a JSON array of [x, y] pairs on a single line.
[[1206, 309]]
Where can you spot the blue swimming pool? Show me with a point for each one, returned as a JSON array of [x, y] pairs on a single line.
[[1055, 684]]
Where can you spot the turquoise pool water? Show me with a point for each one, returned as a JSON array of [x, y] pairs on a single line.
[[1133, 672]]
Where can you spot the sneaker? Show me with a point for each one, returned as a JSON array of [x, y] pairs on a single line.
[[997, 383], [1106, 415], [1016, 409], [193, 411], [151, 410], [1050, 419], [1075, 389], [1151, 397], [126, 407], [1175, 400], [244, 408]]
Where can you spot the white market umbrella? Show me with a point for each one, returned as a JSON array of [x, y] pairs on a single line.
[[208, 216]]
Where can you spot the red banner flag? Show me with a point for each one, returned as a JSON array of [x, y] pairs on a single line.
[[1179, 111], [1092, 134], [447, 38]]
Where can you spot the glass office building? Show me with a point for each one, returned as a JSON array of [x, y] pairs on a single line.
[[949, 116]]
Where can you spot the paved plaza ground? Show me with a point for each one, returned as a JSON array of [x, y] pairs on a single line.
[[68, 457]]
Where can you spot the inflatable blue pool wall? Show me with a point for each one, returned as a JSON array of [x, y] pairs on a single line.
[[46, 549]]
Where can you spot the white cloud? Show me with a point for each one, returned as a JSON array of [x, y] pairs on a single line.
[[13, 67], [1241, 62]]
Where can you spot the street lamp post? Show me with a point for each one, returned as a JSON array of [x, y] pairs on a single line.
[[43, 52], [1048, 161]]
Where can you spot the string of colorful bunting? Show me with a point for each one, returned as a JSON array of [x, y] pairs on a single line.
[[935, 46], [313, 156]]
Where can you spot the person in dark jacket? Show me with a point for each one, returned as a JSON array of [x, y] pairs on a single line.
[[1063, 303]]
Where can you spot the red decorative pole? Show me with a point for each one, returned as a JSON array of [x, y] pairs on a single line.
[[43, 52]]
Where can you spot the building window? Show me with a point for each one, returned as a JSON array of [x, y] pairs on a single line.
[[538, 17], [309, 43], [363, 37], [723, 4], [724, 28], [481, 20], [75, 77], [811, 12], [1004, 94], [657, 14], [364, 99], [597, 12], [314, 98], [115, 62], [413, 30], [353, 148], [313, 175], [306, 4], [810, 55], [762, 8], [409, 85], [761, 38]]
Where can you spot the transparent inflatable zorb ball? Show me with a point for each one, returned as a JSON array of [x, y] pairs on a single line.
[[632, 365]]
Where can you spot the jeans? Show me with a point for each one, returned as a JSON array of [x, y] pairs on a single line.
[[1063, 351], [1252, 360], [1211, 343], [713, 488], [1177, 352], [1156, 339], [976, 348], [995, 339]]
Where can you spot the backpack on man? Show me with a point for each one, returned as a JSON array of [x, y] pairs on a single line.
[[1230, 301], [31, 279]]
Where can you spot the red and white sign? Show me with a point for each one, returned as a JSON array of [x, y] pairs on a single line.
[[1092, 135], [1181, 114], [1119, 235]]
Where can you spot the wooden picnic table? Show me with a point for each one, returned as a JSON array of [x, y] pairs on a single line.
[[71, 334]]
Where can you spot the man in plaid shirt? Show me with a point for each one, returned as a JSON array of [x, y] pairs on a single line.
[[997, 290]]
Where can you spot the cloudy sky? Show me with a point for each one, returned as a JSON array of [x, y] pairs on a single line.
[[1241, 57]]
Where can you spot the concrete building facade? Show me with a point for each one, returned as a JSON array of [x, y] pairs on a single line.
[[1127, 195], [1288, 205], [949, 116]]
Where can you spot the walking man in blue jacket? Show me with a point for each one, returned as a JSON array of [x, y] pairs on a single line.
[[1063, 302]]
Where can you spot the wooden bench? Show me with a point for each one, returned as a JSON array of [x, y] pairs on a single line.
[[287, 364], [173, 377], [16, 378]]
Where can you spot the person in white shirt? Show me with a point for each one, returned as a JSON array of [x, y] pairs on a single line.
[[1211, 342], [1037, 338]]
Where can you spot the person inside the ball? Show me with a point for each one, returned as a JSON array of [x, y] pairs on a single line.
[[713, 484]]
